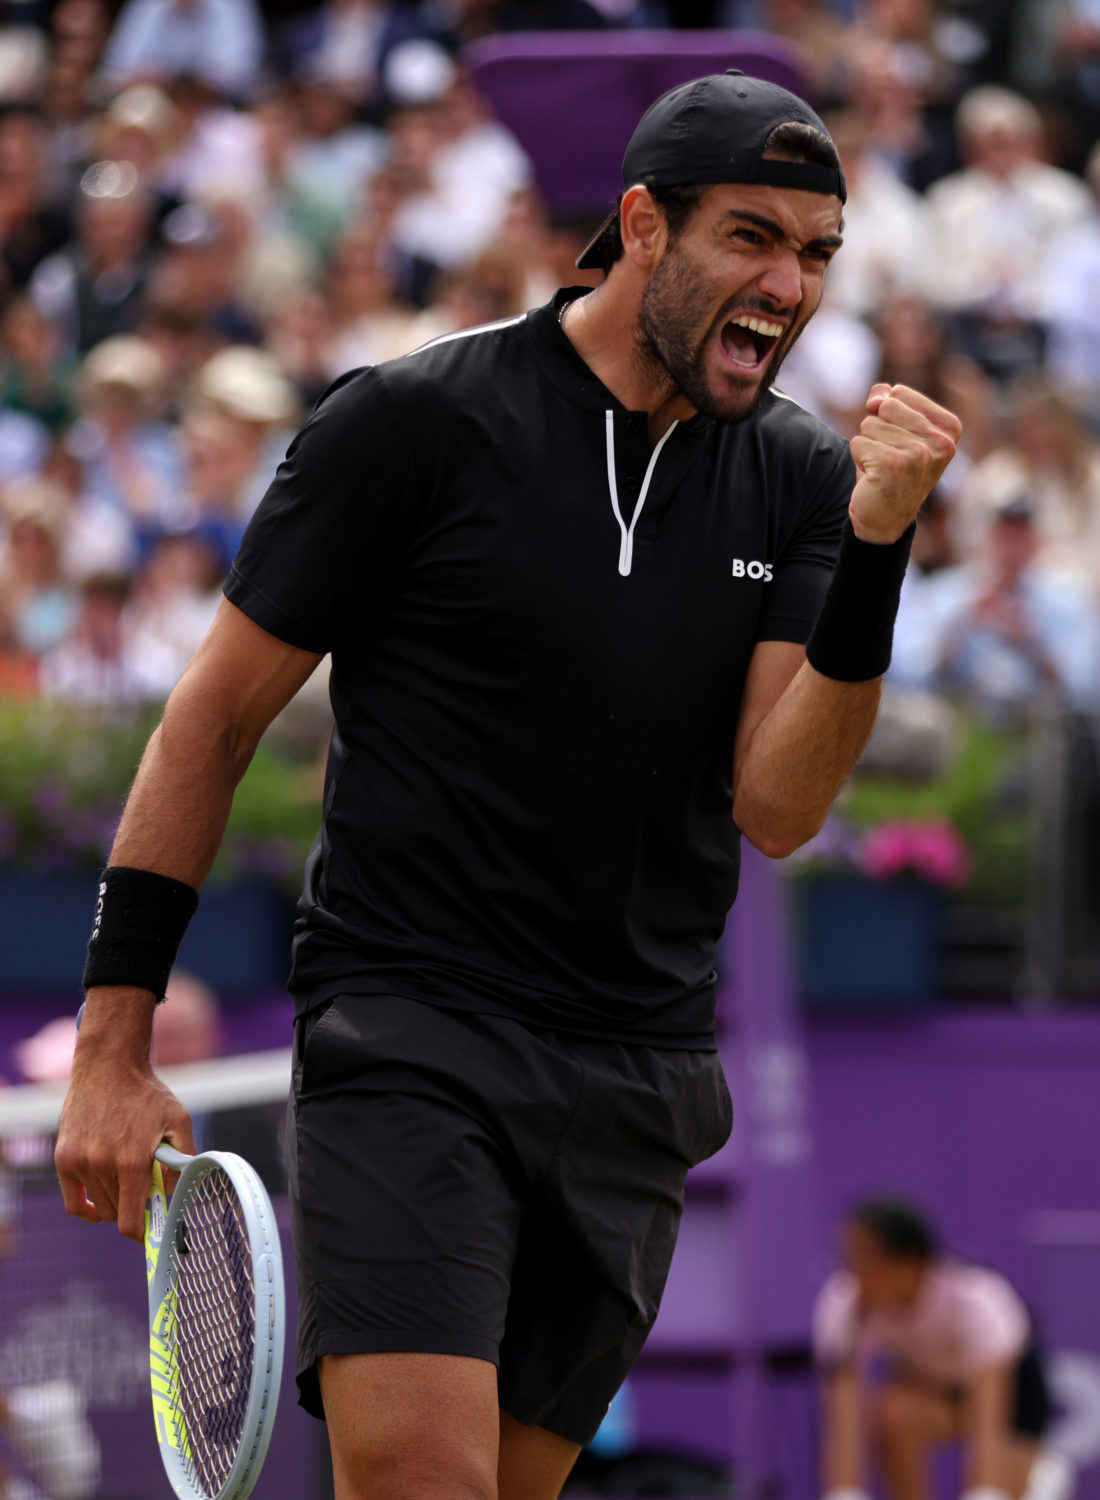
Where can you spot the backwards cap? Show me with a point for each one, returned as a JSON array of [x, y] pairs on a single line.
[[714, 129]]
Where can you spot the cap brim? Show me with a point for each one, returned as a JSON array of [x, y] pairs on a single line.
[[588, 259]]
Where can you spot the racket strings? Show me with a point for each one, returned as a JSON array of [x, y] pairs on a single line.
[[215, 1334]]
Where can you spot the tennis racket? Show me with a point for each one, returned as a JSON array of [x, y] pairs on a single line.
[[216, 1322]]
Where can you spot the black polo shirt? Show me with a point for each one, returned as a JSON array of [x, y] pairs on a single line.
[[540, 629]]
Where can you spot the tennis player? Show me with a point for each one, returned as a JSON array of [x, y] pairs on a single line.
[[919, 1350], [567, 566]]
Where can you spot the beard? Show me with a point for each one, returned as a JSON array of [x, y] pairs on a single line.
[[675, 305]]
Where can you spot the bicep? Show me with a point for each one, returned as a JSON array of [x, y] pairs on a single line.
[[240, 678], [772, 668]]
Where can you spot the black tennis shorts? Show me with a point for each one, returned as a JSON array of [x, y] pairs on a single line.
[[1032, 1406], [464, 1184]]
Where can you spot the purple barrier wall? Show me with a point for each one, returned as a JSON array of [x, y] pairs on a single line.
[[573, 99], [73, 1308], [991, 1119]]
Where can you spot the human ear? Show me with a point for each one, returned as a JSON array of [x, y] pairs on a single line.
[[643, 226]]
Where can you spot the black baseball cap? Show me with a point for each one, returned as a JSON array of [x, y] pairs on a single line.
[[714, 129]]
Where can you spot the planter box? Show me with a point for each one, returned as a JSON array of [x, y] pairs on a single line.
[[865, 944], [239, 938]]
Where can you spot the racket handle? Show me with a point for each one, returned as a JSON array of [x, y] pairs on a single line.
[[168, 1156]]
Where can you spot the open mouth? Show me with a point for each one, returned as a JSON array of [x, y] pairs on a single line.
[[748, 341]]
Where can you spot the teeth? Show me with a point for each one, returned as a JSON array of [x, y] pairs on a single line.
[[758, 325]]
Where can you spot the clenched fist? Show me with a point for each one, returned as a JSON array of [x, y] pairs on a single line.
[[903, 445]]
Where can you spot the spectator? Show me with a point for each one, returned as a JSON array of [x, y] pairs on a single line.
[[256, 408], [297, 334], [131, 458], [1005, 635], [102, 662], [31, 226], [220, 42], [37, 379], [141, 126], [329, 163], [1069, 302], [886, 88], [885, 233], [1054, 458], [915, 350], [95, 286], [489, 288], [216, 149], [342, 45], [177, 590], [198, 271], [364, 318], [815, 27], [38, 606], [999, 215], [468, 164]]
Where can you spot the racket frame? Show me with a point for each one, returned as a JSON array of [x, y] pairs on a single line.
[[162, 1215]]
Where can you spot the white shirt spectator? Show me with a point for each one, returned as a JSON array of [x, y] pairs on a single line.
[[220, 41], [473, 179], [1069, 304], [144, 671], [885, 241], [993, 234]]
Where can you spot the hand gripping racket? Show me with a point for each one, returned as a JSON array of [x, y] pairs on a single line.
[[216, 1322]]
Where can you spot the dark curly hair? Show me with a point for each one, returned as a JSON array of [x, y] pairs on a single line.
[[901, 1228]]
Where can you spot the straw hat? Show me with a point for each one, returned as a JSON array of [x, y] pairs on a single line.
[[125, 362], [247, 383]]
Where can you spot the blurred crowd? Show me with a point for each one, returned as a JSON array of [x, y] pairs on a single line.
[[209, 210]]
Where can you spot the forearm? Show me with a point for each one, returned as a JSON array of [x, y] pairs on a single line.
[[799, 756], [842, 1458], [173, 824], [176, 814]]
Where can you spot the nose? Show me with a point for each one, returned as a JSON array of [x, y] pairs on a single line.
[[782, 281]]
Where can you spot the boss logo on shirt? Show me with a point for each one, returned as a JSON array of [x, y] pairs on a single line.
[[755, 570]]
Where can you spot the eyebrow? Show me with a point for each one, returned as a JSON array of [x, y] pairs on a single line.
[[771, 227]]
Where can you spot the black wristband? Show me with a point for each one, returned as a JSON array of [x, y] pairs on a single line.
[[140, 919], [854, 631]]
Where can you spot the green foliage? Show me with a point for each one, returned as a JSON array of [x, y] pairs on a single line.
[[65, 772]]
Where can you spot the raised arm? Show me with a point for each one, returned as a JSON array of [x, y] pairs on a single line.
[[117, 1112], [806, 714]]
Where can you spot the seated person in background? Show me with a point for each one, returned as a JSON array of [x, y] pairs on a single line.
[[919, 1350], [1002, 634]]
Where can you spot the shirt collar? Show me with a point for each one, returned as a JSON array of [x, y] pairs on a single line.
[[568, 371]]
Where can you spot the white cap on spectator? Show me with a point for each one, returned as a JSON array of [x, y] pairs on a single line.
[[43, 501], [142, 107], [22, 64], [991, 107], [418, 72], [126, 361], [248, 383]]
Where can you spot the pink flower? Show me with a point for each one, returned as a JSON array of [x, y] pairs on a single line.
[[933, 849]]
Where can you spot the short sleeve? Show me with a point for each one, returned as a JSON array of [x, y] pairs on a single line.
[[806, 559], [835, 1321], [332, 530], [993, 1324]]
